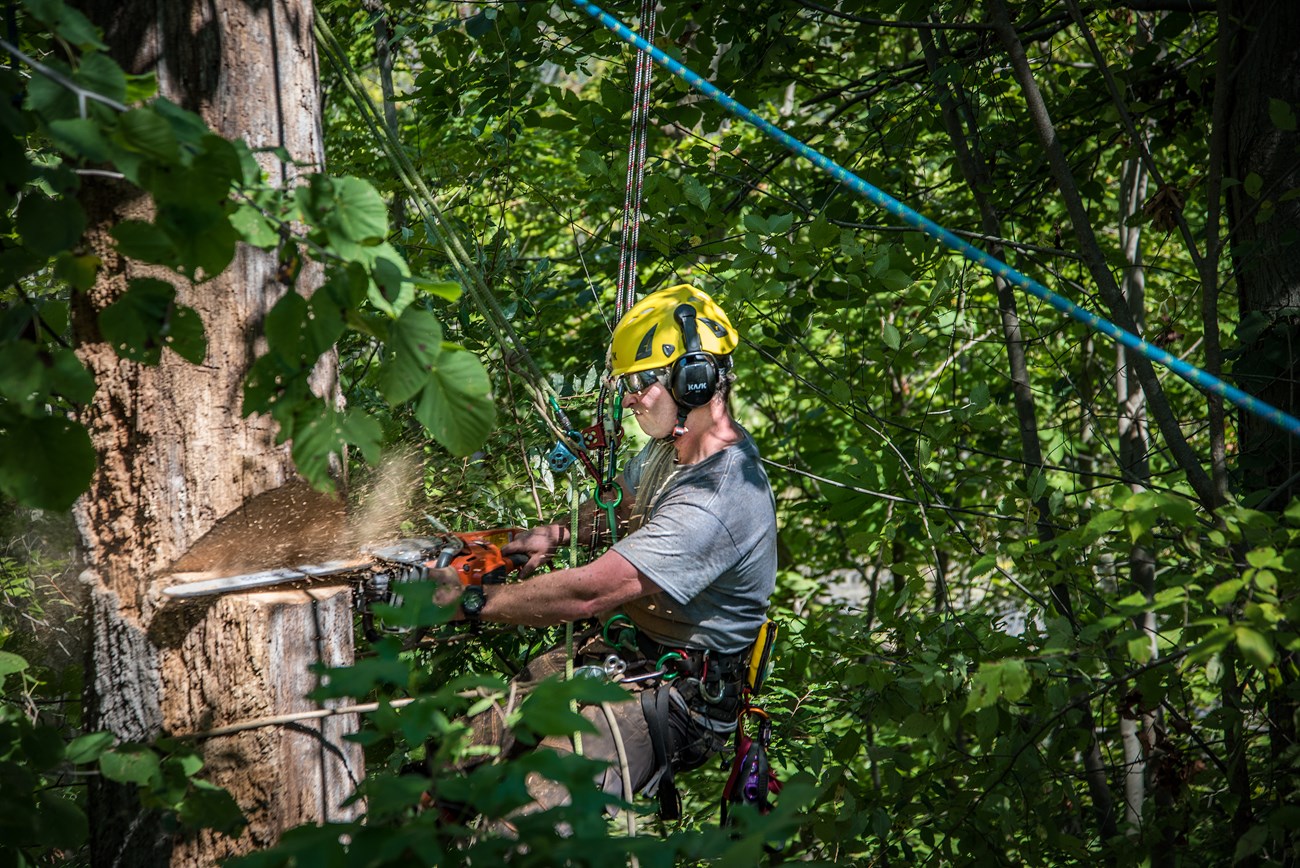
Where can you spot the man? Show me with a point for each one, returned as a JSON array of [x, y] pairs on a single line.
[[694, 572]]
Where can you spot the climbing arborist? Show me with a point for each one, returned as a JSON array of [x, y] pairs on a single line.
[[681, 596]]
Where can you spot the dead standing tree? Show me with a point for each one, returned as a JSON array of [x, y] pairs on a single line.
[[176, 457]]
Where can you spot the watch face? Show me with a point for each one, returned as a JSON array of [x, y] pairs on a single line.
[[472, 601]]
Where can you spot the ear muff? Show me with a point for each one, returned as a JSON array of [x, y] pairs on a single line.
[[694, 379]]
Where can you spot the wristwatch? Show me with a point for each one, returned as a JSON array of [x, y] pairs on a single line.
[[472, 601]]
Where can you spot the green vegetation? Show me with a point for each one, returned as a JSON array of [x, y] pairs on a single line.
[[1019, 628]]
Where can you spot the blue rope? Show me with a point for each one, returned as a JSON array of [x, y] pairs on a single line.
[[1191, 373]]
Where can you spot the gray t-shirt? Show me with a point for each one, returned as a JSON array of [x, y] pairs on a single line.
[[708, 540]]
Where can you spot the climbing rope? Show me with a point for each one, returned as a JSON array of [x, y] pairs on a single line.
[[625, 294], [878, 197]]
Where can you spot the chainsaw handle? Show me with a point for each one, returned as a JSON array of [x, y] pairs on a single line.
[[517, 558]]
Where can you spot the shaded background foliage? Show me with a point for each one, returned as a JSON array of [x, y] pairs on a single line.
[[937, 698]]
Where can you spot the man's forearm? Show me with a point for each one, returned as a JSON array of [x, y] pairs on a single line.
[[566, 595]]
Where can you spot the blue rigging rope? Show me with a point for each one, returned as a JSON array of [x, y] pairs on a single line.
[[1189, 372]]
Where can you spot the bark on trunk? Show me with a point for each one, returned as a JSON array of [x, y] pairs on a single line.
[[1265, 57], [175, 457]]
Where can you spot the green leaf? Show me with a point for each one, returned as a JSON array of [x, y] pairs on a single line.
[[203, 237], [414, 344], [391, 291], [22, 375], [347, 209], [1281, 114], [1008, 679], [81, 138], [1251, 843], [133, 325], [68, 377], [60, 823], [253, 228], [1255, 647], [445, 289], [1225, 592], [45, 463], [70, 24], [1253, 185], [131, 764], [78, 271], [49, 226], [145, 131], [696, 193], [183, 332], [9, 662], [88, 748], [455, 407], [99, 73], [365, 433], [137, 239], [891, 336]]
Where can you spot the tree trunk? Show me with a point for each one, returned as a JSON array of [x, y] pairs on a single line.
[[1265, 57], [175, 457], [1261, 154]]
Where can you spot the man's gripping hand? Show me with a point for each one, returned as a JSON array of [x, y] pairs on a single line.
[[538, 543]]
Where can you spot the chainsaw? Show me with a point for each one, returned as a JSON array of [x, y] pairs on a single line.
[[381, 571]]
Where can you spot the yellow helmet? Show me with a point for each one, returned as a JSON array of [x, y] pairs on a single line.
[[649, 336]]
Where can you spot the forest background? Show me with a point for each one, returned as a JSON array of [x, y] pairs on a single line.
[[1038, 599]]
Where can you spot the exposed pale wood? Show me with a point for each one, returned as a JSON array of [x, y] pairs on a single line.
[[176, 456]]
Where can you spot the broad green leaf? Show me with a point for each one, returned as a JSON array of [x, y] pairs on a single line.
[[133, 325], [207, 806], [145, 131], [100, 74], [45, 463], [131, 764], [78, 271], [347, 209], [1225, 592], [696, 193], [365, 433], [1253, 185], [391, 289], [283, 325], [186, 126], [70, 24], [137, 239], [253, 228], [183, 333], [203, 237], [60, 822], [11, 663], [81, 138], [414, 344], [889, 332], [1255, 646], [1281, 114], [445, 289], [68, 377], [455, 406], [22, 374], [49, 226], [90, 747]]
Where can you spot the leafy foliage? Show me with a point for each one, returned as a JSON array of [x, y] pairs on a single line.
[[974, 669]]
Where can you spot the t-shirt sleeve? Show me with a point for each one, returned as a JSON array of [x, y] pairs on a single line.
[[682, 549]]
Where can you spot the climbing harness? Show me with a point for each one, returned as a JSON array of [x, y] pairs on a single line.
[[878, 197]]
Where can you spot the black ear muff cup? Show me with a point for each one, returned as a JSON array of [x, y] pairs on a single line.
[[694, 378]]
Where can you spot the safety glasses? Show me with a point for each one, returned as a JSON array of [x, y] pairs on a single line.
[[642, 380]]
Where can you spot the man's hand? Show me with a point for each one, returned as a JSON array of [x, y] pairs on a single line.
[[449, 589], [538, 543]]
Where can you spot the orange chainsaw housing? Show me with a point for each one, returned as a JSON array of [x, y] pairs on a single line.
[[480, 561]]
